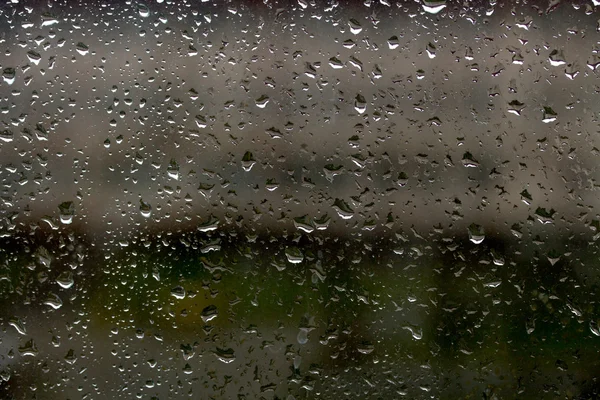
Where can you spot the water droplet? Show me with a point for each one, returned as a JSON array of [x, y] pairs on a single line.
[[53, 301], [210, 225], [549, 115], [248, 161], [557, 58], [70, 357], [294, 255], [322, 223], [343, 209], [515, 107], [82, 48], [430, 49], [34, 57], [145, 209], [29, 349], [302, 336], [335, 63], [544, 216], [209, 313], [6, 136], [173, 170], [476, 233], [365, 348], [303, 224], [262, 101], [355, 27], [200, 121], [594, 328], [8, 75], [469, 161], [178, 292], [493, 284], [17, 323], [415, 331], [67, 211], [226, 356], [187, 369], [143, 10], [526, 197], [530, 326], [360, 104], [48, 19], [402, 179], [271, 185], [393, 42], [65, 280], [332, 171], [433, 6]]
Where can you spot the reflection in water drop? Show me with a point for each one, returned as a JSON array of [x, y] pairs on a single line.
[[67, 210], [434, 6], [476, 233], [145, 209], [226, 356]]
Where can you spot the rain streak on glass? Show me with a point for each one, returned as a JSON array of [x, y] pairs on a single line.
[[298, 199]]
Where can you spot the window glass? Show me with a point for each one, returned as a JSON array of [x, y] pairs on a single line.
[[299, 199]]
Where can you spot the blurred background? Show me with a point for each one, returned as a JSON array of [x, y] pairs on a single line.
[[299, 199]]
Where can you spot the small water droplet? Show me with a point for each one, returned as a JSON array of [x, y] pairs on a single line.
[[294, 255], [365, 348], [248, 161], [549, 115], [34, 57], [143, 10], [17, 323], [302, 336], [8, 75], [433, 6], [355, 26], [594, 328], [303, 224], [6, 136], [82, 48], [178, 292], [430, 49], [209, 313], [360, 103], [67, 211], [469, 161], [343, 209], [335, 63], [173, 170], [29, 349], [393, 42], [145, 209], [53, 301], [65, 280], [415, 331], [70, 357], [226, 356], [200, 121], [515, 107], [557, 58], [262, 101], [476, 233], [544, 216], [322, 223], [210, 225]]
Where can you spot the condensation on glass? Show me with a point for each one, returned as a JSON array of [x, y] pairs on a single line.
[[290, 200]]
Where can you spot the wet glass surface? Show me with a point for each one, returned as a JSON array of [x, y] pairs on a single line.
[[290, 200]]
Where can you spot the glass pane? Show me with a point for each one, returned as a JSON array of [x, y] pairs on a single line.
[[289, 200]]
